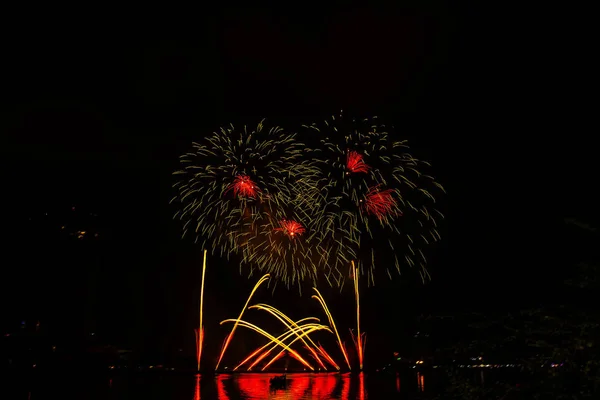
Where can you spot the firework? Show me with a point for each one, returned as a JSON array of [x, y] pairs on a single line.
[[289, 323], [321, 301], [287, 244], [299, 337], [281, 337], [299, 332], [359, 340], [380, 199], [273, 338], [200, 331], [231, 178], [290, 228], [230, 336], [255, 193]]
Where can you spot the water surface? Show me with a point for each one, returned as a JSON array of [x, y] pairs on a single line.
[[243, 386]]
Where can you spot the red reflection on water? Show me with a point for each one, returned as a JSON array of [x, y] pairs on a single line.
[[255, 386], [397, 382], [421, 382], [361, 386], [345, 386], [197, 388], [221, 392], [297, 388], [323, 386]]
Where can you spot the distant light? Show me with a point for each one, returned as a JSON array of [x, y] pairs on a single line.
[[92, 333]]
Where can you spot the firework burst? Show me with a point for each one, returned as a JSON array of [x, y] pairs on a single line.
[[290, 228], [380, 199], [289, 247], [380, 203], [234, 176]]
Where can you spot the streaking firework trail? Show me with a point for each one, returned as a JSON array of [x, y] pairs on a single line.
[[230, 336], [359, 340], [290, 324], [200, 331], [274, 339], [321, 300], [299, 337], [380, 199], [281, 337], [299, 332]]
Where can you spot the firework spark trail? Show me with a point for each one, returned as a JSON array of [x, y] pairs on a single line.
[[290, 333], [320, 299], [359, 339], [243, 186], [306, 333], [270, 337], [380, 203], [289, 323], [290, 228], [281, 337], [355, 163], [328, 357], [200, 331], [230, 336]]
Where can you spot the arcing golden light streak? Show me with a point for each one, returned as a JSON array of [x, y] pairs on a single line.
[[289, 324], [282, 337], [200, 333], [230, 336], [291, 332], [332, 323], [310, 330], [359, 346], [270, 337]]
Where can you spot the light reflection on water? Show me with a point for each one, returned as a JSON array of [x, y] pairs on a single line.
[[302, 387], [243, 386]]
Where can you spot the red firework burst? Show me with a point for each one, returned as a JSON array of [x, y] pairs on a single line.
[[243, 186], [379, 202], [291, 228], [355, 162]]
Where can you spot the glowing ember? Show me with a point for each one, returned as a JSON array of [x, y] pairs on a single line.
[[379, 203], [243, 186], [355, 163], [291, 228]]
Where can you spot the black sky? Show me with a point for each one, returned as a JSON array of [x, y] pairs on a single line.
[[95, 111]]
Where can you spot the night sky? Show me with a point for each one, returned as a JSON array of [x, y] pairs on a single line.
[[96, 109]]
